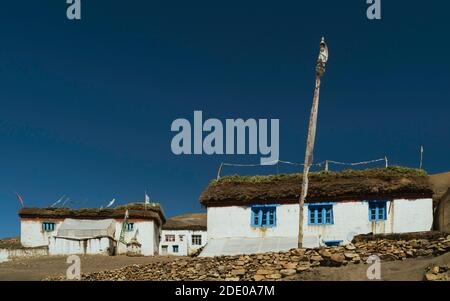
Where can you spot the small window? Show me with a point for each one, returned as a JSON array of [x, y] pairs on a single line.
[[264, 216], [175, 249], [320, 214], [48, 226], [181, 237], [196, 240], [377, 211], [130, 227], [164, 250], [170, 238]]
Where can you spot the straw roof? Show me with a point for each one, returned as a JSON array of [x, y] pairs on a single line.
[[135, 210], [369, 184]]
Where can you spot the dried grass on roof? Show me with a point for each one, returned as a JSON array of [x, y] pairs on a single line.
[[391, 182], [135, 210]]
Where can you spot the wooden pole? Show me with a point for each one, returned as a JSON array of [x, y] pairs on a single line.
[[421, 157], [219, 171], [320, 70], [308, 155]]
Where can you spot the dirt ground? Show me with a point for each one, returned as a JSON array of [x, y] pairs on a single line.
[[42, 267], [32, 269]]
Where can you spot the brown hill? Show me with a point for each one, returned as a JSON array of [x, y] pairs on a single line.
[[440, 183], [190, 221], [441, 187]]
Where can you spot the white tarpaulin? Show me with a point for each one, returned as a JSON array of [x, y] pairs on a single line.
[[241, 246], [84, 229]]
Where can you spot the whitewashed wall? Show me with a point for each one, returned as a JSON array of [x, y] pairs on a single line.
[[147, 236], [416, 215], [185, 247], [93, 246], [350, 218], [32, 235], [4, 255], [8, 254], [235, 221]]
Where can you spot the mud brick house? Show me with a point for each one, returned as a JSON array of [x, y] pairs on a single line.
[[184, 235], [93, 231], [257, 214]]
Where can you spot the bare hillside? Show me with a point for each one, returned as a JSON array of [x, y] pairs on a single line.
[[440, 184]]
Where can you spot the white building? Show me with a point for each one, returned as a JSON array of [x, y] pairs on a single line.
[[184, 235], [93, 231], [246, 217]]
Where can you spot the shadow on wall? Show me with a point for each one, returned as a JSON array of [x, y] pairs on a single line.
[[442, 213]]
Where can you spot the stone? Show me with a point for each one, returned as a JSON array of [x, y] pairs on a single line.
[[325, 253], [238, 272], [356, 259], [274, 276], [350, 247], [304, 266], [337, 258], [431, 277], [259, 277], [279, 265], [221, 268], [288, 272], [350, 256], [232, 279], [316, 258], [303, 258], [436, 270], [264, 272], [290, 265]]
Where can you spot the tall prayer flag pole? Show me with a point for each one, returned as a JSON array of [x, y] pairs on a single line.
[[320, 70]]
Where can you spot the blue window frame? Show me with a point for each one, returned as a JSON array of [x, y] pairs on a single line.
[[377, 211], [320, 215], [332, 243], [175, 249], [130, 227], [264, 215], [48, 226]]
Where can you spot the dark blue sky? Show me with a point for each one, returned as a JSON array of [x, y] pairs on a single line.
[[86, 107]]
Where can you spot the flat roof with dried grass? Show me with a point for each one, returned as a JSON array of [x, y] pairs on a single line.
[[378, 183], [135, 210]]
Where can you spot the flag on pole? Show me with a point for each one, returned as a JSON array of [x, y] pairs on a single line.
[[65, 202], [20, 199], [58, 201], [124, 228], [111, 203], [147, 199], [421, 156]]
